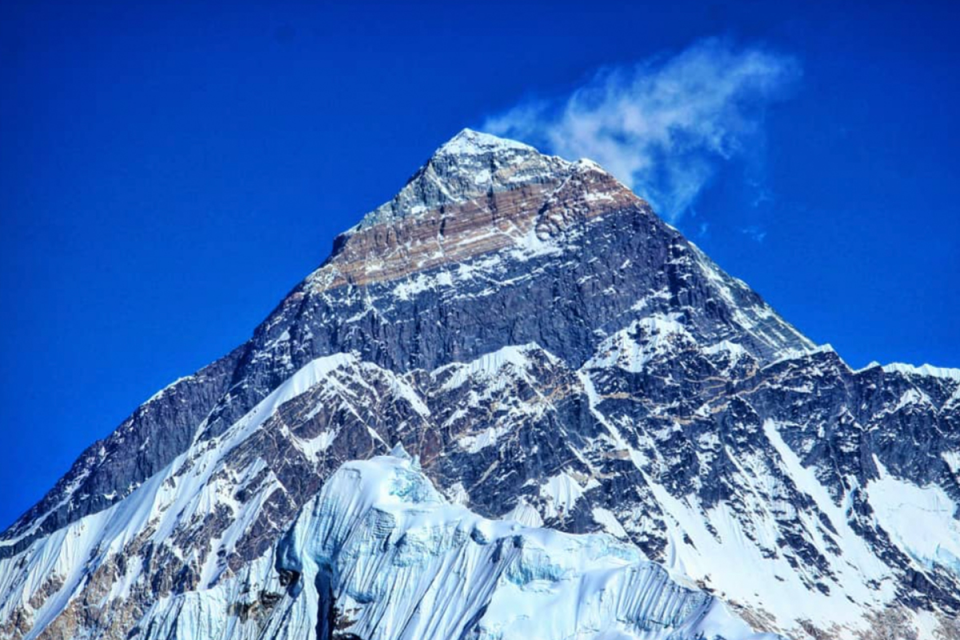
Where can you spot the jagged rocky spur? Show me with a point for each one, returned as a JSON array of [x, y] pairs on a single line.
[[556, 356]]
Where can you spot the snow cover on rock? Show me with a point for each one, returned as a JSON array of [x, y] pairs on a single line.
[[469, 164], [923, 370], [921, 520], [195, 488]]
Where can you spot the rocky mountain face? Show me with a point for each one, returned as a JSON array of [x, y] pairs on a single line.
[[554, 355]]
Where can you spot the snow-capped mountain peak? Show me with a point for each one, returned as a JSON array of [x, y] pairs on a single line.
[[475, 143], [468, 166], [550, 351]]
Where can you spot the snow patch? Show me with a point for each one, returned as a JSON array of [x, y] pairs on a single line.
[[923, 370], [608, 521], [561, 493], [920, 520]]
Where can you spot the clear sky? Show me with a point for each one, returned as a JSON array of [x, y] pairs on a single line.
[[166, 176]]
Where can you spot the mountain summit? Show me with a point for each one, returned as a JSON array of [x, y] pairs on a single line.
[[600, 422]]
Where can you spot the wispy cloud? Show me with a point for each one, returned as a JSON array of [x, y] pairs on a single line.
[[665, 125], [754, 232]]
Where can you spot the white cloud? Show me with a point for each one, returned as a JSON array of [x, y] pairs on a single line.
[[665, 125], [754, 232]]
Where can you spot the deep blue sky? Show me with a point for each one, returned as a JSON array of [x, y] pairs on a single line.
[[166, 176]]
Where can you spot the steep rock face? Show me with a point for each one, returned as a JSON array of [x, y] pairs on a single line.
[[158, 431], [542, 251], [554, 354]]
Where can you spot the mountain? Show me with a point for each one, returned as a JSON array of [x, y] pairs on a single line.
[[605, 425]]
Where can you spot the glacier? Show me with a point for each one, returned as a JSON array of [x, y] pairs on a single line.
[[380, 554]]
